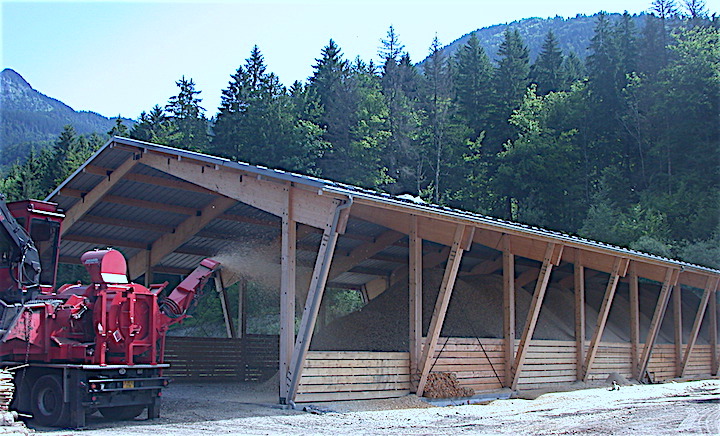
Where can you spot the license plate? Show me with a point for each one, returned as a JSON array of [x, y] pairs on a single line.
[[128, 384]]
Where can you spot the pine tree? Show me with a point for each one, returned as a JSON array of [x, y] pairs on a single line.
[[547, 71], [119, 129], [473, 84], [187, 116]]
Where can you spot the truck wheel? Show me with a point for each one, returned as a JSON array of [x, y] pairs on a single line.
[[121, 413], [48, 407]]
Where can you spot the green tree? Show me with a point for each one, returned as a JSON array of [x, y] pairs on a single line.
[[473, 86], [187, 116], [547, 72]]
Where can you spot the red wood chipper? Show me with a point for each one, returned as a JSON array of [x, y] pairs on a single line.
[[81, 347]]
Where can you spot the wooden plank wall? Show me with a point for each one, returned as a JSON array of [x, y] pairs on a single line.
[[354, 375], [474, 368], [551, 362], [252, 358]]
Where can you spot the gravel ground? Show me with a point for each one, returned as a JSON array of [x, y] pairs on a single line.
[[672, 408]]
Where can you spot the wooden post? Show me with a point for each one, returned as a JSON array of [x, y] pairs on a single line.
[[657, 319], [314, 298], [634, 320], [707, 294], [508, 267], [551, 258], [579, 276], [438, 318], [618, 269], [415, 301], [714, 361], [224, 305], [287, 291], [677, 321], [242, 307]]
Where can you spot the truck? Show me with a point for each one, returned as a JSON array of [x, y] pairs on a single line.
[[80, 348]]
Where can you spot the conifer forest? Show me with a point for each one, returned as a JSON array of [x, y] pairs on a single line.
[[619, 144]]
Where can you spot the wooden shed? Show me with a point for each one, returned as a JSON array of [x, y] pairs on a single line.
[[166, 209]]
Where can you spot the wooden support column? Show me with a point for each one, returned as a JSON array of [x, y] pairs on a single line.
[[714, 361], [508, 267], [314, 298], [242, 319], [634, 320], [671, 276], [579, 286], [678, 330], [619, 269], [553, 254], [224, 305], [446, 288], [710, 289], [415, 301], [288, 261]]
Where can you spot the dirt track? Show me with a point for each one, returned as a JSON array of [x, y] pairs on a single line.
[[685, 408]]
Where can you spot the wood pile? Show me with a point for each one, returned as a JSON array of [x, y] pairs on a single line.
[[445, 385], [7, 388]]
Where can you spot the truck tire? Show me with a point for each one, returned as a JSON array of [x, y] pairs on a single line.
[[47, 405], [121, 413]]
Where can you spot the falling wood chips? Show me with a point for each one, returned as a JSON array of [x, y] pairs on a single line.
[[445, 385]]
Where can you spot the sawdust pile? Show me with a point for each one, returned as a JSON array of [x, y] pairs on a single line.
[[445, 385], [475, 311]]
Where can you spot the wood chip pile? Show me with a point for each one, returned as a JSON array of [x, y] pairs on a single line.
[[7, 388], [445, 385]]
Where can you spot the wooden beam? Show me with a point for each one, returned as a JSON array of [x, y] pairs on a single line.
[[634, 320], [225, 306], [486, 267], [443, 299], [90, 199], [105, 241], [677, 328], [710, 289], [619, 267], [288, 262], [508, 266], [168, 242], [131, 224], [310, 207], [415, 288], [314, 298], [714, 361], [579, 287], [671, 276], [430, 260], [538, 296], [364, 252]]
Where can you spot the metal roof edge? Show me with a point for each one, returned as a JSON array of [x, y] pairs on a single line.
[[79, 170], [498, 223]]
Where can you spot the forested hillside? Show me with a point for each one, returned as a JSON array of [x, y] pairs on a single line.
[[621, 146], [33, 120]]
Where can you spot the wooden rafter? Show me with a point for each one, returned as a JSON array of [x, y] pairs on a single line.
[[443, 299], [314, 298], [553, 254], [91, 198], [634, 320], [415, 288], [671, 278], [364, 252], [309, 206], [508, 266], [619, 269], [224, 306], [710, 289], [168, 242], [579, 288], [486, 267]]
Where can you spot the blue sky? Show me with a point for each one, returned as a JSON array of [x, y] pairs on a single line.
[[124, 57]]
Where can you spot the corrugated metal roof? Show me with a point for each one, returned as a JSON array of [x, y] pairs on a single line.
[[261, 224]]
